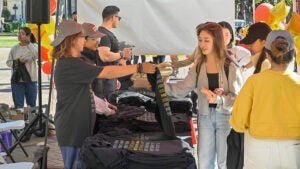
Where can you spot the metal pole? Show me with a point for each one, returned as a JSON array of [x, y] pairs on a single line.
[[50, 94], [39, 74]]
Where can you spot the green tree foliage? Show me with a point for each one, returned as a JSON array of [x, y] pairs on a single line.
[[5, 13], [244, 8]]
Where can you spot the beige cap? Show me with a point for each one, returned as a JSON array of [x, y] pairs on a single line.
[[272, 36], [65, 29], [91, 30]]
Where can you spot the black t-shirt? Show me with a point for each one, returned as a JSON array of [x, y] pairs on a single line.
[[74, 119], [108, 85], [110, 40], [213, 83]]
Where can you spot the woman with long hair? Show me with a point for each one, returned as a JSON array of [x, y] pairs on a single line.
[[256, 39], [75, 109], [22, 59], [217, 82], [240, 54]]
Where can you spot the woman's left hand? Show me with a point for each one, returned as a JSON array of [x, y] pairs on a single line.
[[211, 98], [210, 95]]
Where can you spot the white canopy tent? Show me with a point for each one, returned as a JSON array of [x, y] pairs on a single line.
[[159, 26]]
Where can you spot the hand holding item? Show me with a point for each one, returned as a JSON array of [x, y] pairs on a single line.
[[118, 85], [210, 96], [112, 109], [22, 59], [122, 62], [219, 91], [146, 68], [164, 65], [127, 52]]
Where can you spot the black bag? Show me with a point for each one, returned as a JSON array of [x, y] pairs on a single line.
[[235, 152], [19, 72], [181, 105]]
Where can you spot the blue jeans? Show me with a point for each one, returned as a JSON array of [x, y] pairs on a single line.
[[213, 130], [23, 90], [71, 157]]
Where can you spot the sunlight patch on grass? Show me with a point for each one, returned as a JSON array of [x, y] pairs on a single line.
[[8, 41]]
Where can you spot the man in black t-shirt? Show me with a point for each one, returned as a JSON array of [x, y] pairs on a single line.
[[109, 46]]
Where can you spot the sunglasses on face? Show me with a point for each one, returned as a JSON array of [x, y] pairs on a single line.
[[119, 17]]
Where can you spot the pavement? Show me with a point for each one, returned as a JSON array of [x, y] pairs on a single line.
[[54, 159]]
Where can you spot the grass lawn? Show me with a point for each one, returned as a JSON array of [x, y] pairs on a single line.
[[8, 41]]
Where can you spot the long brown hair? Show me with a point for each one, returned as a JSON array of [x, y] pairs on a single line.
[[215, 30], [63, 49], [261, 59]]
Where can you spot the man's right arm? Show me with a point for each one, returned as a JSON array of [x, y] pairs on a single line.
[[107, 56]]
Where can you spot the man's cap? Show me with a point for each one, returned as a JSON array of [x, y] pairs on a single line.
[[123, 45], [273, 35], [64, 29], [91, 30], [258, 30]]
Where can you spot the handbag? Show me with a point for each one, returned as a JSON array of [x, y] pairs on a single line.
[[19, 72]]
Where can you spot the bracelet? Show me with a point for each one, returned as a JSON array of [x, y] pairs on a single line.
[[139, 68], [121, 55]]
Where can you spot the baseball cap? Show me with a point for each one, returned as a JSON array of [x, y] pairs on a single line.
[[64, 29], [91, 30], [258, 30], [273, 35], [123, 45]]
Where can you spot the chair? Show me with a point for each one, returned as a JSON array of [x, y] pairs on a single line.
[[20, 165], [13, 125], [19, 124]]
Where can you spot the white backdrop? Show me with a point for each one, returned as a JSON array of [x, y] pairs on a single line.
[[159, 26]]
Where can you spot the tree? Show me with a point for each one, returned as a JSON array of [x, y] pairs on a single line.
[[244, 8], [1, 6], [5, 13]]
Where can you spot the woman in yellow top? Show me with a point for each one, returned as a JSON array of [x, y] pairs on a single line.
[[267, 109]]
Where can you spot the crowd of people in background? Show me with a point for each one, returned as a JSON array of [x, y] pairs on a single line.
[[264, 106]]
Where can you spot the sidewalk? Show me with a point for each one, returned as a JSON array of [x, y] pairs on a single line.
[[54, 157]]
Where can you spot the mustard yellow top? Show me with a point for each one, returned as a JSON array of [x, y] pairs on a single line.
[[268, 106]]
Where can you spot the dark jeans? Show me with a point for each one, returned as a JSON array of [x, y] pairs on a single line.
[[27, 90]]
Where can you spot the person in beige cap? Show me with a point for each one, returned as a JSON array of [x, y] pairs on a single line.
[[75, 109], [267, 109]]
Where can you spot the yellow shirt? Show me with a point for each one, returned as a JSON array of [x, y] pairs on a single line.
[[268, 106]]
